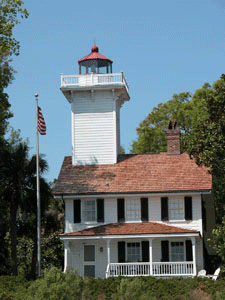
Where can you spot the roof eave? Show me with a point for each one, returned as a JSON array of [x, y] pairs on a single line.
[[136, 193]]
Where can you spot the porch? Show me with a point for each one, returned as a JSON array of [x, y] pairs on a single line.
[[157, 269], [163, 254], [169, 266]]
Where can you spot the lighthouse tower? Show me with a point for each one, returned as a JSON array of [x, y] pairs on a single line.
[[96, 96]]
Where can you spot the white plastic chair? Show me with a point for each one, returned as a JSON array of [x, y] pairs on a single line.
[[215, 275], [202, 273]]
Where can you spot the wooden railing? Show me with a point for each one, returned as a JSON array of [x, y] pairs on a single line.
[[159, 269], [93, 79]]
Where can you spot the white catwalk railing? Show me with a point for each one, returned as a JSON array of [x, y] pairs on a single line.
[[77, 81], [159, 269]]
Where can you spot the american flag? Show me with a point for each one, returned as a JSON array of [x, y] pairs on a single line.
[[41, 123]]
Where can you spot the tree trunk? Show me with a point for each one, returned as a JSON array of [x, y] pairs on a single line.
[[13, 235], [32, 273]]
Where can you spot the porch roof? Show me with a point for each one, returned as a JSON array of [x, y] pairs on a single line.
[[141, 173], [115, 229]]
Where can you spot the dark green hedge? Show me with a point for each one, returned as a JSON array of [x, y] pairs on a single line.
[[70, 286]]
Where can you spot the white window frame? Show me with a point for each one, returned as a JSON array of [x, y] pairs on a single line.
[[136, 205], [178, 201], [135, 253], [184, 251], [83, 220]]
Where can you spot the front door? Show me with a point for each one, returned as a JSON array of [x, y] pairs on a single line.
[[89, 261]]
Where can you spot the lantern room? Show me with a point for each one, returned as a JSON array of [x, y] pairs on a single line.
[[95, 63]]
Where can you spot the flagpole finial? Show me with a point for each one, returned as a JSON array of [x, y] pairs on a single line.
[[36, 95]]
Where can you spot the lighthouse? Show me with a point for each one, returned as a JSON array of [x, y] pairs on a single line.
[[96, 96]]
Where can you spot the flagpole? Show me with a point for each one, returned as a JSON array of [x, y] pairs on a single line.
[[38, 194]]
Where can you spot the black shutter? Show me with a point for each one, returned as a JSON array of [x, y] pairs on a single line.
[[164, 209], [145, 251], [100, 210], [165, 251], [120, 210], [188, 208], [76, 211], [121, 252], [189, 255], [144, 209]]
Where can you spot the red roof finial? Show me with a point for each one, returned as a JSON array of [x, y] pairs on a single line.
[[94, 48]]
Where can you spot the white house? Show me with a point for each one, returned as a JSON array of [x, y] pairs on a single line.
[[127, 215]]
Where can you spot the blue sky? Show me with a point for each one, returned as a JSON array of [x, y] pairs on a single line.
[[163, 47]]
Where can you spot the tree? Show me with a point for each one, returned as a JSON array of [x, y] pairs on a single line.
[[13, 160], [18, 192], [218, 239], [152, 131], [205, 141], [10, 12]]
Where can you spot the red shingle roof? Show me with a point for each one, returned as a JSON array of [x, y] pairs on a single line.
[[129, 229], [94, 55], [134, 174]]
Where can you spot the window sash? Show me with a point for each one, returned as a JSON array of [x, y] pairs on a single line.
[[89, 212], [176, 209], [133, 210], [177, 251], [133, 252]]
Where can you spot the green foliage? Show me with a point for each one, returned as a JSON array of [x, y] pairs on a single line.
[[10, 13], [205, 141], [56, 285], [52, 251], [218, 238], [18, 192], [152, 131]]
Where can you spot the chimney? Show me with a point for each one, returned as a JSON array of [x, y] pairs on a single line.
[[173, 138]]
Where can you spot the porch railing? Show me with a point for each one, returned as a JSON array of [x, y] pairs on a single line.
[[77, 81], [159, 269]]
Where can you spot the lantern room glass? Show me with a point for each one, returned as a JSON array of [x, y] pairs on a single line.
[[95, 66]]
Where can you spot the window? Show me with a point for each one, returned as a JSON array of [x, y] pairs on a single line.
[[133, 252], [89, 253], [133, 212], [89, 211], [177, 251], [176, 209]]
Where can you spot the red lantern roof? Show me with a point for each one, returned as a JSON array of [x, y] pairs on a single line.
[[94, 55]]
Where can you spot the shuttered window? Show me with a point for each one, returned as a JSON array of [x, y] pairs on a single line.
[[188, 208], [120, 210], [144, 209], [164, 208], [90, 210], [76, 211]]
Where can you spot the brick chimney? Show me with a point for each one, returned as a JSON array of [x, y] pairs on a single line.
[[173, 138]]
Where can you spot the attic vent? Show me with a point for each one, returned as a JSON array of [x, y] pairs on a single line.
[[173, 138]]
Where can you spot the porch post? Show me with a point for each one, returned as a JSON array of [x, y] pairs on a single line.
[[194, 256], [66, 250], [150, 255], [108, 250]]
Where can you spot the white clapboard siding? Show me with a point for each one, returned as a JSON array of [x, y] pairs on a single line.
[[94, 128]]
